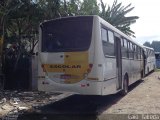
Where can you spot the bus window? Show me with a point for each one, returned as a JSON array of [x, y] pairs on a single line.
[[110, 37], [122, 43], [139, 52], [125, 43], [134, 51], [67, 35], [104, 34], [124, 48], [108, 44], [136, 54], [130, 50], [142, 54]]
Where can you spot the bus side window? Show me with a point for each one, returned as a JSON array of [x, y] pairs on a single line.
[[135, 51], [139, 53], [125, 43], [124, 48], [141, 56], [133, 47], [104, 35], [110, 37], [131, 51], [108, 42], [122, 43]]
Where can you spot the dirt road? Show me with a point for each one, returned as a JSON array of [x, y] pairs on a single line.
[[143, 99]]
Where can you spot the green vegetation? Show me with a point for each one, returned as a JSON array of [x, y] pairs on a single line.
[[20, 19], [157, 70], [116, 15], [155, 45]]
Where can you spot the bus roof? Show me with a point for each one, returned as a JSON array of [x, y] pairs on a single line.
[[147, 47]]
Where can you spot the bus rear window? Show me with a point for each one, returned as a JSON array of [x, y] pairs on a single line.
[[67, 34]]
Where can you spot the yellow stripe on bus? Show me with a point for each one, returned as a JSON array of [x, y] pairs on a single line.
[[75, 64]]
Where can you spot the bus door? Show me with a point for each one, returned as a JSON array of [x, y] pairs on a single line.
[[118, 62]]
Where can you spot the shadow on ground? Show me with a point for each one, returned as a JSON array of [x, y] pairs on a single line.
[[76, 107]]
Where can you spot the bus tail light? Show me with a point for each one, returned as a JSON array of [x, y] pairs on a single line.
[[90, 68], [44, 70], [85, 85]]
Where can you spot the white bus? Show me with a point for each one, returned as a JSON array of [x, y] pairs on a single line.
[[87, 55], [149, 59]]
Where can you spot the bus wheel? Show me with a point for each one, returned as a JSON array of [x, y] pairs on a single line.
[[142, 74], [125, 86]]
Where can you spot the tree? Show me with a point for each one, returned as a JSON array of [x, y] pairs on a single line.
[[147, 44], [116, 15], [21, 21], [6, 6], [155, 45], [89, 7], [51, 8], [73, 7]]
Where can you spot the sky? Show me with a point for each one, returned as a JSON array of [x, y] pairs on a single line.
[[147, 26]]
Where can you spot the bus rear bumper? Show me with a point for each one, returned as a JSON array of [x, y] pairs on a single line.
[[84, 87]]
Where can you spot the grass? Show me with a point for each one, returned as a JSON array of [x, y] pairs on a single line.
[[157, 70]]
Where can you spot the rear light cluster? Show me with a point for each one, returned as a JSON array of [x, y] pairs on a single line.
[[90, 68], [44, 70], [85, 85]]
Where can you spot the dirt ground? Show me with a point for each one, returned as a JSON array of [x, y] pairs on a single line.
[[15, 102], [143, 99]]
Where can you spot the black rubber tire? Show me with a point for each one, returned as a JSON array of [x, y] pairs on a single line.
[[125, 87], [142, 74]]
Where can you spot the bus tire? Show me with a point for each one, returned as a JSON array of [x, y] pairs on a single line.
[[125, 86], [142, 74]]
